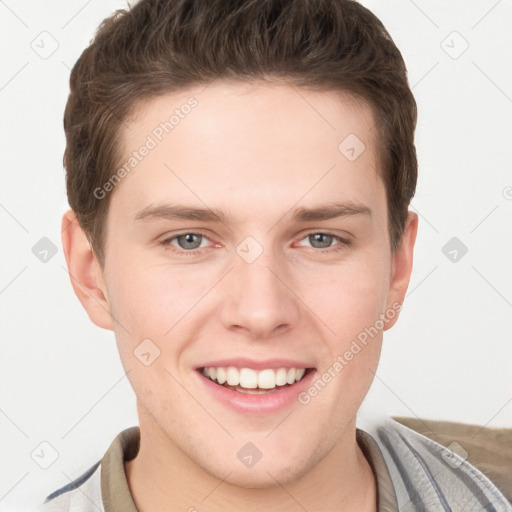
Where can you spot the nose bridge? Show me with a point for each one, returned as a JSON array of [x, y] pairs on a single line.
[[258, 300]]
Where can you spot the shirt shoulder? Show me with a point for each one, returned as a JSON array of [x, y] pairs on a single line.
[[81, 495], [428, 476], [103, 487]]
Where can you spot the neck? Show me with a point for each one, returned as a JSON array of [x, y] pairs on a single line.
[[162, 478]]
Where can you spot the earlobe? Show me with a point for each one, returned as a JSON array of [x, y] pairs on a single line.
[[85, 272], [402, 266]]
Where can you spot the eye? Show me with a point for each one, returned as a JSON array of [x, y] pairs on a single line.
[[320, 240], [186, 242], [189, 240], [324, 241]]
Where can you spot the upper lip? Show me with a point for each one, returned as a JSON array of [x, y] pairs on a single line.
[[255, 365]]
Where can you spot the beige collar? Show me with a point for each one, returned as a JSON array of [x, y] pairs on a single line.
[[117, 497]]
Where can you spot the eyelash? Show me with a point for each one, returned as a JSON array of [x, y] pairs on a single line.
[[193, 252]]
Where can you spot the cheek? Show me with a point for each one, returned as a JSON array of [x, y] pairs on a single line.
[[156, 309], [349, 302], [149, 300], [347, 299]]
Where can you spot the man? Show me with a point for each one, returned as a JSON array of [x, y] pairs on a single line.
[[239, 175]]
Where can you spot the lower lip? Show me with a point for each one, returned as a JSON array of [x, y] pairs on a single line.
[[257, 403]]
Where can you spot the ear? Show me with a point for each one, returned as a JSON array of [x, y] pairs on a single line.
[[402, 266], [85, 272]]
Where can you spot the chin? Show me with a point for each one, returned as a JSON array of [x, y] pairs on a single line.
[[276, 466], [264, 477]]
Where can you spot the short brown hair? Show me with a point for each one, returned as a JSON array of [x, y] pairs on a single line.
[[162, 46]]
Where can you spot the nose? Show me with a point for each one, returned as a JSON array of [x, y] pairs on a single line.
[[259, 298]]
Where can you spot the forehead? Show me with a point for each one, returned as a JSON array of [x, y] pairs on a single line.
[[263, 144]]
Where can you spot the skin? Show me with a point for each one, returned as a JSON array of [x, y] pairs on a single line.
[[258, 152]]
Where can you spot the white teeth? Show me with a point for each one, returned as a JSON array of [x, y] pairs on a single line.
[[281, 377], [232, 376], [290, 379], [267, 379], [248, 378], [221, 375]]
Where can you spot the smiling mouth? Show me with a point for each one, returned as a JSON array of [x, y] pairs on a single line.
[[249, 381]]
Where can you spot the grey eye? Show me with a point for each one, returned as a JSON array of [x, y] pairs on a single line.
[[322, 239], [189, 241]]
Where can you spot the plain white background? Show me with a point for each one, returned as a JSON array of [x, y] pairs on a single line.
[[450, 355]]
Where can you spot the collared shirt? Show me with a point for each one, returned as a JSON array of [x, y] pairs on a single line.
[[413, 474]]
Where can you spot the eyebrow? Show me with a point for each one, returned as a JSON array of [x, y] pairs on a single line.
[[183, 212]]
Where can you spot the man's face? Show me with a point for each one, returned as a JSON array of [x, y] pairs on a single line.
[[263, 289]]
